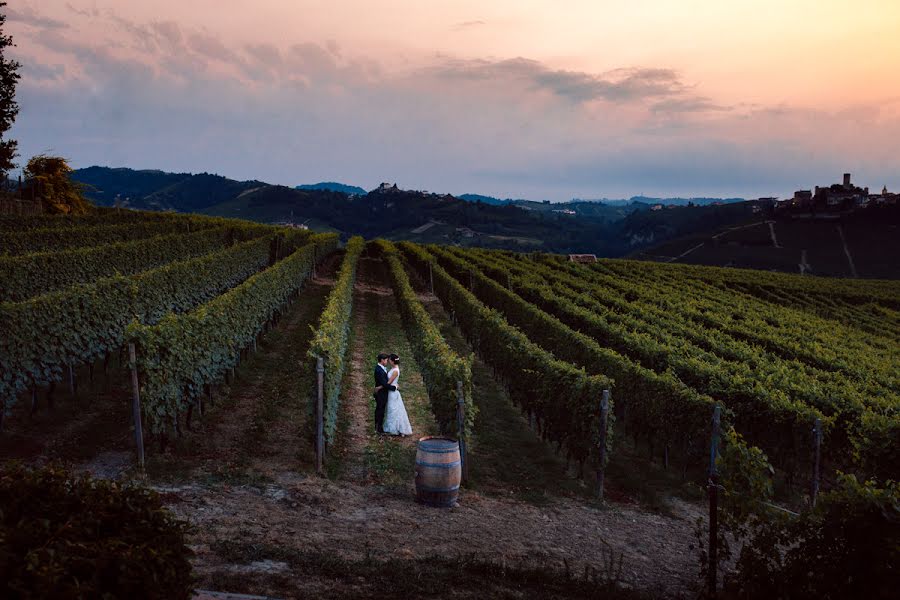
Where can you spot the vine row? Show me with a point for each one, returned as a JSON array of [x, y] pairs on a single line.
[[31, 275], [183, 353], [565, 398], [330, 336]]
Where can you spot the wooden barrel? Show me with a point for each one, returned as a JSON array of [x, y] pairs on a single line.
[[438, 471]]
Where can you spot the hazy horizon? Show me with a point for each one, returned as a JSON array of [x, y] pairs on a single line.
[[514, 100]]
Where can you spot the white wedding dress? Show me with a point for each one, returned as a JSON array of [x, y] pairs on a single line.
[[396, 421]]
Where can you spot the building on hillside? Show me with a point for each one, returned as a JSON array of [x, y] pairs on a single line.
[[885, 198], [764, 204], [582, 258], [387, 187], [802, 199], [840, 195]]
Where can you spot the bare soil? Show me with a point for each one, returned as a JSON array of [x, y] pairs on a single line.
[[358, 522]]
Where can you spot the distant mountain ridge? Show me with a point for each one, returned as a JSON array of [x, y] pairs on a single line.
[[394, 213], [702, 201], [333, 186]]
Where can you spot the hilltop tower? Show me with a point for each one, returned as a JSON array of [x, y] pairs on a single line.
[[846, 181]]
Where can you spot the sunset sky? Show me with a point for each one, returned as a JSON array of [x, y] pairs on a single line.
[[533, 99]]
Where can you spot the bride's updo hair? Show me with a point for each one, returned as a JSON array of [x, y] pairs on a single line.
[[394, 358]]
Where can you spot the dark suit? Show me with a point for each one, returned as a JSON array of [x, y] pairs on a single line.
[[381, 396]]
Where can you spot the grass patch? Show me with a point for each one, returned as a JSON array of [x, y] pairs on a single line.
[[284, 389], [630, 474], [388, 461]]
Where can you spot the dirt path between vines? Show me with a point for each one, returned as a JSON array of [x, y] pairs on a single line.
[[377, 328], [357, 433]]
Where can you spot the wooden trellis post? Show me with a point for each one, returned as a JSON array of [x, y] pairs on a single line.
[[604, 423], [817, 444], [73, 387], [136, 406], [713, 502], [320, 416], [461, 423]]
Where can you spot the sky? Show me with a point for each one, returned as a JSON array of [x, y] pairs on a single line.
[[512, 98]]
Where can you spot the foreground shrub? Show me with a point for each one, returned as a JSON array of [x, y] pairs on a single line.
[[844, 547], [67, 536]]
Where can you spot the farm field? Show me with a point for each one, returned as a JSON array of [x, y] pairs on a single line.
[[226, 318]]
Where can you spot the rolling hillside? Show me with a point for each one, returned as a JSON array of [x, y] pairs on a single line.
[[397, 214], [737, 234], [863, 244]]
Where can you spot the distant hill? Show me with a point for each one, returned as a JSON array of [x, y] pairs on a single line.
[[864, 243], [394, 213], [107, 184], [675, 201], [484, 199], [583, 208], [158, 190], [334, 187]]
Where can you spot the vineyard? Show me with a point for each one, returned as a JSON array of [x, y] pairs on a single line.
[[161, 320]]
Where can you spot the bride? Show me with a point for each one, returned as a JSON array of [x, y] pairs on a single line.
[[396, 422]]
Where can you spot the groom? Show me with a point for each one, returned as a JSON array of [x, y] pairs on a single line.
[[381, 391]]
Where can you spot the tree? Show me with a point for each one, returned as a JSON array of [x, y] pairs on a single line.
[[9, 108], [48, 178]]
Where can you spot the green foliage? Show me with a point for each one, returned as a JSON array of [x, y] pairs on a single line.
[[67, 536], [52, 239], [31, 275], [656, 368], [441, 367], [845, 547], [658, 404], [330, 337], [50, 176], [745, 489], [565, 398], [706, 338], [876, 442], [745, 477], [9, 108], [97, 216], [181, 354], [43, 335]]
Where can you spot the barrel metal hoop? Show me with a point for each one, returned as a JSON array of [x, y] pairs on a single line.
[[440, 450], [424, 488], [439, 465]]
